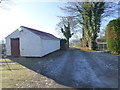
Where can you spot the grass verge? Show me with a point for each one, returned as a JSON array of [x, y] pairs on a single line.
[[13, 74]]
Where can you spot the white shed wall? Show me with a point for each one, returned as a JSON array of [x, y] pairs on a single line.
[[30, 43], [49, 46], [15, 34]]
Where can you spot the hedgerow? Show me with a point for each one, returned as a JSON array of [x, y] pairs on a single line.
[[113, 35]]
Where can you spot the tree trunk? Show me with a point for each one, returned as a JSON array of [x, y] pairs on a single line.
[[67, 42], [84, 39], [92, 44]]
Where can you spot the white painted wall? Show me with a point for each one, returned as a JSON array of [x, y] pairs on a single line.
[[15, 34], [50, 46], [32, 45]]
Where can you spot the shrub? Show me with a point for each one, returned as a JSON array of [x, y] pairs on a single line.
[[113, 35], [63, 44]]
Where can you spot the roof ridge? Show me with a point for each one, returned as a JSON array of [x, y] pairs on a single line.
[[42, 34], [33, 29]]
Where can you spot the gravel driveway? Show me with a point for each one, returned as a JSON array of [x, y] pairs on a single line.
[[81, 69], [77, 68]]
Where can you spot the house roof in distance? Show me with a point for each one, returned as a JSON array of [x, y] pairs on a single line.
[[42, 34]]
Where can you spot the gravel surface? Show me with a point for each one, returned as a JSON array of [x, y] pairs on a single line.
[[18, 76], [39, 81], [72, 68], [81, 69]]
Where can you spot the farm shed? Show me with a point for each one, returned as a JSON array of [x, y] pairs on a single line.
[[29, 42]]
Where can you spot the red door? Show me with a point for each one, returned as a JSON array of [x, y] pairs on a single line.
[[15, 51]]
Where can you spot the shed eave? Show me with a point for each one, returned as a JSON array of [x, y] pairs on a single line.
[[10, 34]]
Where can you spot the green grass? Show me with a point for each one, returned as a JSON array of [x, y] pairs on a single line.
[[13, 74], [85, 48], [76, 46]]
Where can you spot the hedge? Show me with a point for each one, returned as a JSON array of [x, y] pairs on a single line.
[[113, 35]]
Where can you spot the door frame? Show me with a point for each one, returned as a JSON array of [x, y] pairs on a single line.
[[17, 47]]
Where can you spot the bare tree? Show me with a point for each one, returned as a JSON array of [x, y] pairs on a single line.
[[89, 16], [67, 27]]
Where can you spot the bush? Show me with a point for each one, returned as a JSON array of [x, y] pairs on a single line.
[[63, 44], [113, 35]]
